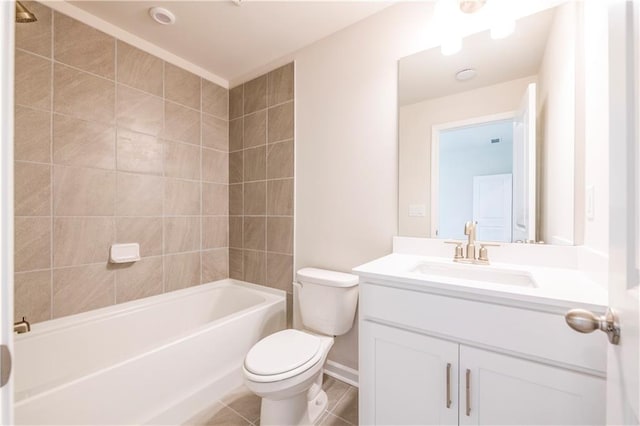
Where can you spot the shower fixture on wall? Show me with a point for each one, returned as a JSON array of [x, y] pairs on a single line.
[[24, 15]]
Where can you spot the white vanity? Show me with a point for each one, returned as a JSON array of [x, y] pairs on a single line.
[[445, 343]]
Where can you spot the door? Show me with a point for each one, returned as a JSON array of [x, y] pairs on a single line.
[[492, 198], [623, 395], [407, 378], [504, 390], [524, 167], [6, 206]]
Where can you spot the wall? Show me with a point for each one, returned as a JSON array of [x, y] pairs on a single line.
[[112, 145], [416, 122], [261, 161]]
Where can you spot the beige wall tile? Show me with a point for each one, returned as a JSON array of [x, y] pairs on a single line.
[[35, 37], [280, 159], [236, 129], [32, 188], [181, 271], [32, 135], [215, 166], [255, 129], [181, 86], [255, 94], [84, 47], [280, 234], [215, 199], [181, 197], [281, 122], [255, 164], [181, 234], [139, 195], [236, 231], [280, 87], [181, 124], [254, 233], [215, 133], [215, 265], [32, 81], [146, 231], [215, 231], [236, 199], [139, 111], [83, 143], [82, 240], [139, 69], [139, 153], [181, 160], [82, 288], [236, 167], [280, 271], [254, 198], [83, 95], [236, 102], [215, 100], [32, 245], [280, 197], [83, 192], [139, 279], [32, 296], [255, 266], [236, 270]]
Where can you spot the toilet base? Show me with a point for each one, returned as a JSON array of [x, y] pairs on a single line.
[[297, 410]]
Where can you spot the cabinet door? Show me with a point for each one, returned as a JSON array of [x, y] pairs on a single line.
[[504, 390], [404, 376]]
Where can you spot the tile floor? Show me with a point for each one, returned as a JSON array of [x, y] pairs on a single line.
[[242, 408]]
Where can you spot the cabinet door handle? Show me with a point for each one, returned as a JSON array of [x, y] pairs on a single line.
[[468, 392], [448, 385]]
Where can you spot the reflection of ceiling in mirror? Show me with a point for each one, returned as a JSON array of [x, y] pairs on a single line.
[[429, 74], [477, 136]]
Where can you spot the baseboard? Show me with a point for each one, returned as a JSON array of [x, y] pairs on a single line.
[[341, 372]]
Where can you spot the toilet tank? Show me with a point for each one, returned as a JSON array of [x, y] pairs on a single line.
[[328, 300]]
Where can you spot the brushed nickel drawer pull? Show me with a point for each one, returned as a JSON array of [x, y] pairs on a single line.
[[448, 385], [468, 391]]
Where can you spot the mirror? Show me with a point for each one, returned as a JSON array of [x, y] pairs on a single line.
[[496, 132]]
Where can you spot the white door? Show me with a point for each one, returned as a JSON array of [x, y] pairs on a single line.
[[524, 167], [6, 204], [623, 394], [407, 378], [492, 200]]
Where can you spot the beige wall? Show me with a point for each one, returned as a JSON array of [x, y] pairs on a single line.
[[261, 179], [112, 145], [415, 128]]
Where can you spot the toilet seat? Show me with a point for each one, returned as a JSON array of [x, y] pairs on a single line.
[[282, 355]]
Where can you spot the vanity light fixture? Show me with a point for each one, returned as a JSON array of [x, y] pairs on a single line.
[[466, 74], [471, 6], [162, 16]]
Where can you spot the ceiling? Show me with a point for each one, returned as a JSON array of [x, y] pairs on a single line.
[[429, 74], [477, 136], [229, 40]]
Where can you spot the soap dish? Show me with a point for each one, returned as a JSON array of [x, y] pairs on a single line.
[[124, 253]]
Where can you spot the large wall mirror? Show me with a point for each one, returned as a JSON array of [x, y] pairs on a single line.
[[495, 132]]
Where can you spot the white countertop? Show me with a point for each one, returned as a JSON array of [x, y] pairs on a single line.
[[557, 289]]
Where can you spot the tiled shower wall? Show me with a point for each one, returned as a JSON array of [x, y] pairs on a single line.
[[261, 179], [114, 145]]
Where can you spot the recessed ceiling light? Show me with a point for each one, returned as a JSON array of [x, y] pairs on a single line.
[[162, 15], [466, 74]]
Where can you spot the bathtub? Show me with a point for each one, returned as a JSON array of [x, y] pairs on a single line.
[[159, 360]]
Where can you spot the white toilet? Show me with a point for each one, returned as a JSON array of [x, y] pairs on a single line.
[[285, 369]]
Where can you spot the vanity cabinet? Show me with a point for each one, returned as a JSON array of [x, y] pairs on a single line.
[[418, 368]]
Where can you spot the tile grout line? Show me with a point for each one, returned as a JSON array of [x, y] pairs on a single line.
[[115, 201], [51, 175], [164, 188]]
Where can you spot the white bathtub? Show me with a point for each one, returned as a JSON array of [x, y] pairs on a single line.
[[159, 360]]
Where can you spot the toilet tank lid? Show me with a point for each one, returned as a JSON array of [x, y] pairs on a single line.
[[326, 277]]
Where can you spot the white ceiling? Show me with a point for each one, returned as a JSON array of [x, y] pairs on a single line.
[[429, 74], [228, 40], [477, 136]]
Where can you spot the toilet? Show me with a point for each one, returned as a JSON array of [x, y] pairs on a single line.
[[285, 368]]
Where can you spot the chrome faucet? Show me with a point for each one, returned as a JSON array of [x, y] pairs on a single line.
[[21, 326], [468, 254]]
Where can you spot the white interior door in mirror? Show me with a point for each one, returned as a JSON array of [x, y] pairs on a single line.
[[524, 168], [492, 207]]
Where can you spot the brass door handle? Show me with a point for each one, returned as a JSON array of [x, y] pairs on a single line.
[[448, 385], [584, 321], [468, 392]]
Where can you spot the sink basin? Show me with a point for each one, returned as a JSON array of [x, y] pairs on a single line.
[[482, 273]]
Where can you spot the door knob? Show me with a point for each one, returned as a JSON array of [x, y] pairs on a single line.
[[585, 321]]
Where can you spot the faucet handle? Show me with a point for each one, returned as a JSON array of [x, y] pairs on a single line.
[[458, 251], [483, 254]]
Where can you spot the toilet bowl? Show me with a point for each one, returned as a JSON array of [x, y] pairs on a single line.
[[285, 368]]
